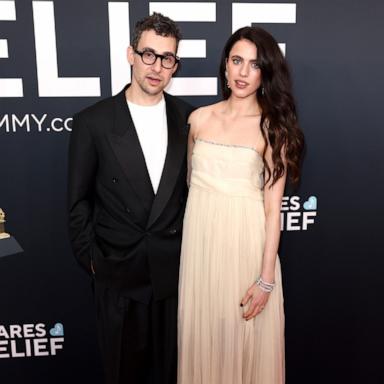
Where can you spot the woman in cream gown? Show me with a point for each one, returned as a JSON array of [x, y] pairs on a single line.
[[231, 316]]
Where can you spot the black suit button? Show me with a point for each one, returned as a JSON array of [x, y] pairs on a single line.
[[127, 210], [115, 180], [173, 231]]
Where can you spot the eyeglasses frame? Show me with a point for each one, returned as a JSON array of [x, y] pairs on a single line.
[[157, 55]]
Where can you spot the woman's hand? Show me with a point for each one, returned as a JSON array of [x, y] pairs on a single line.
[[257, 300]]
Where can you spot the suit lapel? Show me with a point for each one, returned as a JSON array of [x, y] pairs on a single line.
[[176, 152], [126, 146]]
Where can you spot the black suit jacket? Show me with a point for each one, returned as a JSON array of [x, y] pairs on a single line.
[[116, 222]]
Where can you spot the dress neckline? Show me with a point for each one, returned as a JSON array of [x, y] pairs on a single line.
[[229, 145]]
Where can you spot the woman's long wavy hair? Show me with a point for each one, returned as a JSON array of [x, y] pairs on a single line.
[[278, 117]]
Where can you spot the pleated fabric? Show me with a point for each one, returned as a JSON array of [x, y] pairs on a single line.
[[222, 250]]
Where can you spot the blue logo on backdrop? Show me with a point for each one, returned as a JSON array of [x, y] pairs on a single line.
[[311, 204], [57, 330]]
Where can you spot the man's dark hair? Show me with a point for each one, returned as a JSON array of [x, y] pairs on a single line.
[[159, 23]]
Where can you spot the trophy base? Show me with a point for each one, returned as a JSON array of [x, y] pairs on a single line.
[[4, 235], [9, 247]]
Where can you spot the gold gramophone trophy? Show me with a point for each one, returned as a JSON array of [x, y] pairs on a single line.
[[3, 234]]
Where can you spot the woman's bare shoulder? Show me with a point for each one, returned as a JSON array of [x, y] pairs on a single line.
[[199, 115]]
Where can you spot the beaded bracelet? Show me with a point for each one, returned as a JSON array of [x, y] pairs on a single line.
[[264, 286]]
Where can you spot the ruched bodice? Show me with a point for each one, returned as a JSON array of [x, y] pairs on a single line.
[[229, 169]]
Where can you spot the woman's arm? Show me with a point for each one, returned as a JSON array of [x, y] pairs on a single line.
[[273, 196]]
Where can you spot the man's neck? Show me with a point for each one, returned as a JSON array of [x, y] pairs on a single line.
[[137, 96]]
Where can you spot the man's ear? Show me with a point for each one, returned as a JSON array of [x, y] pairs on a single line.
[[130, 55]]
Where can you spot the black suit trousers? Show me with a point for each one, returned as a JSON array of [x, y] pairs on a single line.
[[148, 340]]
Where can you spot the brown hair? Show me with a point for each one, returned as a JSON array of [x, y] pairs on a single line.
[[159, 23]]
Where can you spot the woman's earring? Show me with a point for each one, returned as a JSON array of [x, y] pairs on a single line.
[[262, 91], [226, 76]]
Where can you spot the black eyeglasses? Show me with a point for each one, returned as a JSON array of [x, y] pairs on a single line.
[[149, 58]]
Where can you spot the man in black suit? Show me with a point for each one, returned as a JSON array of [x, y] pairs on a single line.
[[127, 192]]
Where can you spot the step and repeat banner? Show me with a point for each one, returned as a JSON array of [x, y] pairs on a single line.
[[56, 57]]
